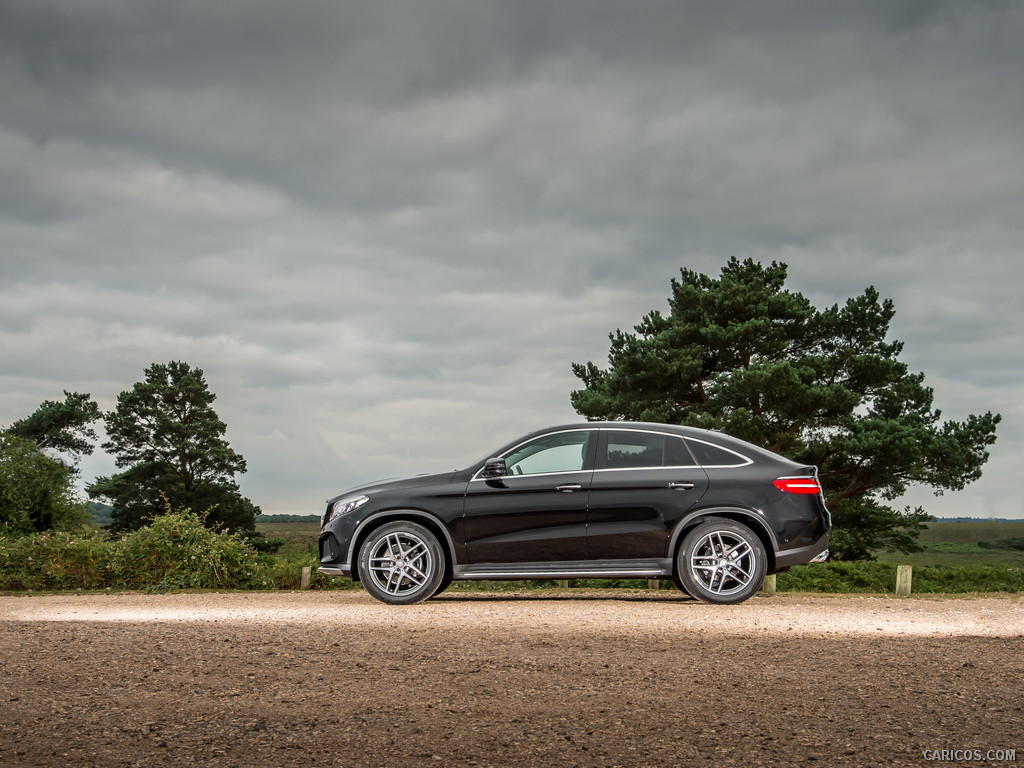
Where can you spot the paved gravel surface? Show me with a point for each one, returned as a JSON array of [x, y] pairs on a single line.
[[573, 679]]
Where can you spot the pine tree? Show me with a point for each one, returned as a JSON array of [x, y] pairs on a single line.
[[65, 427], [170, 442], [745, 355]]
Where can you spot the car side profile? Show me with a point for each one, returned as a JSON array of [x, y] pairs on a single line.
[[594, 500]]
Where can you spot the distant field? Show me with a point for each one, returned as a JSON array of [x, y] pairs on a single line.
[[958, 544], [298, 538], [945, 543], [972, 532]]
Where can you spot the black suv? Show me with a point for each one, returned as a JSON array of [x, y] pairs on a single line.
[[595, 500]]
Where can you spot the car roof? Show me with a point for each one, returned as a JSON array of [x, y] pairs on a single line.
[[721, 438], [642, 425]]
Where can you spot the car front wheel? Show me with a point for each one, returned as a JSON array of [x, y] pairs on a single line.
[[401, 563], [722, 561]]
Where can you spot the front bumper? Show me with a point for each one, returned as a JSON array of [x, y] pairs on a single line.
[[333, 556], [335, 570]]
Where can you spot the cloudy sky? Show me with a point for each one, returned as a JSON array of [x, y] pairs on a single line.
[[385, 230]]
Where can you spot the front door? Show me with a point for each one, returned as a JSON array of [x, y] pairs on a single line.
[[537, 512]]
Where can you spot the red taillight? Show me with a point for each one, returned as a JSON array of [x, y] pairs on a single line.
[[798, 484]]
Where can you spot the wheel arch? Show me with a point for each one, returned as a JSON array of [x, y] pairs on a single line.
[[377, 519], [752, 520]]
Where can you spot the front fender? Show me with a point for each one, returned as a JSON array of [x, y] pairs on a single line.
[[378, 518]]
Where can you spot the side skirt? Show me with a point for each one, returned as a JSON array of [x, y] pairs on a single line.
[[574, 569]]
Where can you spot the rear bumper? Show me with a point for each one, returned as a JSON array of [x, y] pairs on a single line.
[[803, 555]]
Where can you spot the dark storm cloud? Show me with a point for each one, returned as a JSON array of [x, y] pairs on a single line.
[[396, 214], [315, 101]]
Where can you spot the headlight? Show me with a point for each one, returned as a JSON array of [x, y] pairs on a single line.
[[343, 507]]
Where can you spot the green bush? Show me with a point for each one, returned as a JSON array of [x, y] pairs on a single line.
[[36, 491], [177, 551], [1014, 543], [840, 576], [54, 561], [972, 578], [872, 576], [286, 572]]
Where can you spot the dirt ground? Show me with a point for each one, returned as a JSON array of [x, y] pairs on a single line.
[[555, 679]]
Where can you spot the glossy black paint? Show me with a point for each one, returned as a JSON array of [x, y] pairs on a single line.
[[619, 521], [527, 518], [632, 511]]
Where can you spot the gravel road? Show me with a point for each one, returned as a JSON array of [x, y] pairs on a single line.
[[558, 679]]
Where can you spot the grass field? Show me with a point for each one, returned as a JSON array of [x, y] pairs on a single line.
[[953, 544], [296, 538], [958, 544]]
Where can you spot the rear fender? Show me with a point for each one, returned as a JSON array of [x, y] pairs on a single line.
[[751, 519]]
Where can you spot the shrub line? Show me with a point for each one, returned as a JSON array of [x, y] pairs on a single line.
[[177, 551]]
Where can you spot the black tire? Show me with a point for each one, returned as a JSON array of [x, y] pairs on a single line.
[[401, 563], [446, 581], [722, 561], [680, 586]]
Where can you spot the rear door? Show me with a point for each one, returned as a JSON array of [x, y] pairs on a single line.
[[644, 482]]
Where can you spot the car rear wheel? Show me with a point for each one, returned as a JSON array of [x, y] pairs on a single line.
[[722, 561], [401, 563]]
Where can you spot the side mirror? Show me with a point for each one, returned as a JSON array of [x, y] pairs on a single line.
[[494, 468]]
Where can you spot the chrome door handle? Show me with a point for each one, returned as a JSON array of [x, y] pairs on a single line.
[[568, 488], [680, 486]]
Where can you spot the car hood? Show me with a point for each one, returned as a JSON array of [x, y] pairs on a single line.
[[395, 484]]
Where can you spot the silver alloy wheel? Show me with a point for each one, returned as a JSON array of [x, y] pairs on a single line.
[[723, 563], [400, 563]]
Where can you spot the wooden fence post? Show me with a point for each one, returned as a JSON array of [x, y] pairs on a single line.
[[904, 575], [654, 583], [304, 584], [769, 585], [563, 583]]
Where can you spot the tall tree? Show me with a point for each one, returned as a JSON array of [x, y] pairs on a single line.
[[742, 354], [36, 491], [170, 442], [65, 427], [36, 487]]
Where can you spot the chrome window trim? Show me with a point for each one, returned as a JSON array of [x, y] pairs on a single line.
[[647, 469], [746, 461], [646, 432], [530, 440], [535, 474]]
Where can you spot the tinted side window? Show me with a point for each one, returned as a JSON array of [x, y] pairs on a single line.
[[708, 455], [634, 450], [676, 454], [561, 452]]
